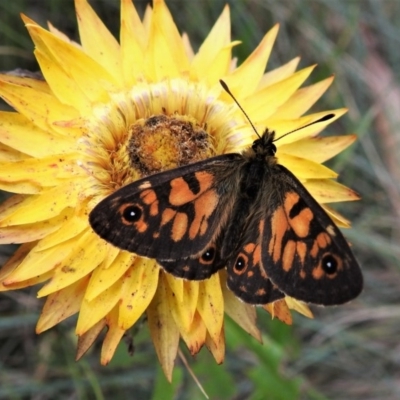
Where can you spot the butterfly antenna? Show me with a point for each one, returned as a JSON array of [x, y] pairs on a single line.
[[322, 119], [225, 87]]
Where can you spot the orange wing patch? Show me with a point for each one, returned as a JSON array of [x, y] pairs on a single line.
[[181, 193], [204, 206]]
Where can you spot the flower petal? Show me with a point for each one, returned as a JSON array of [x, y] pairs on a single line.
[[217, 349], [211, 306], [328, 191], [41, 108], [318, 149], [61, 305], [279, 73], [299, 306], [86, 255], [93, 311], [262, 104], [279, 309], [106, 275], [139, 288], [35, 231], [19, 133], [113, 337], [163, 330], [244, 80], [218, 38], [48, 204], [305, 169], [92, 32], [92, 78], [86, 340], [195, 336], [303, 99], [133, 44], [243, 314]]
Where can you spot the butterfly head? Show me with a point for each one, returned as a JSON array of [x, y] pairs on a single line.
[[264, 146]]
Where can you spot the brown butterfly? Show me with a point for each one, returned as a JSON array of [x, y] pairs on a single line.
[[244, 212]]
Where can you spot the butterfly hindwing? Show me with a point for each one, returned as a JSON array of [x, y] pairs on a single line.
[[246, 276], [303, 252], [170, 215], [195, 268]]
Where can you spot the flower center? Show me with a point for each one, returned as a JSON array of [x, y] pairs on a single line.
[[163, 142]]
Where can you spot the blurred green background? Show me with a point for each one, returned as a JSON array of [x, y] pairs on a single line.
[[348, 352]]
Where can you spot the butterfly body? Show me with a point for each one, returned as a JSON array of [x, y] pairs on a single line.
[[245, 212]]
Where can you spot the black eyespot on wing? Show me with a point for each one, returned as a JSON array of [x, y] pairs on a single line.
[[132, 213], [195, 269], [329, 264]]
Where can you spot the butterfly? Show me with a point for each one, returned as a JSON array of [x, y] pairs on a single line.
[[243, 212]]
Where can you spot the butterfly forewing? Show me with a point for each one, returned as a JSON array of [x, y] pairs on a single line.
[[170, 215], [303, 252]]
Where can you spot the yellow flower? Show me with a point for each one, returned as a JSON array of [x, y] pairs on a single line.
[[84, 132]]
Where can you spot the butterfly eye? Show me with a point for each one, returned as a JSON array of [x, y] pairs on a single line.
[[329, 264], [131, 213], [209, 255]]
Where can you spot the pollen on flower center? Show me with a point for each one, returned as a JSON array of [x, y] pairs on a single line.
[[163, 142]]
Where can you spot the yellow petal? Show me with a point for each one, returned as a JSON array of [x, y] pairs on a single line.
[[22, 187], [71, 228], [24, 284], [299, 306], [211, 305], [64, 88], [217, 349], [163, 330], [244, 80], [279, 74], [195, 336], [37, 84], [263, 104], [305, 169], [328, 191], [35, 231], [113, 337], [87, 254], [217, 39], [61, 305], [318, 149], [139, 288], [106, 275], [19, 133], [220, 66], [46, 205], [41, 108], [182, 316], [15, 260], [165, 49], [37, 263], [9, 154], [92, 33], [87, 339], [176, 286], [44, 172], [337, 218], [93, 311], [132, 43], [92, 78], [303, 99], [243, 314]]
